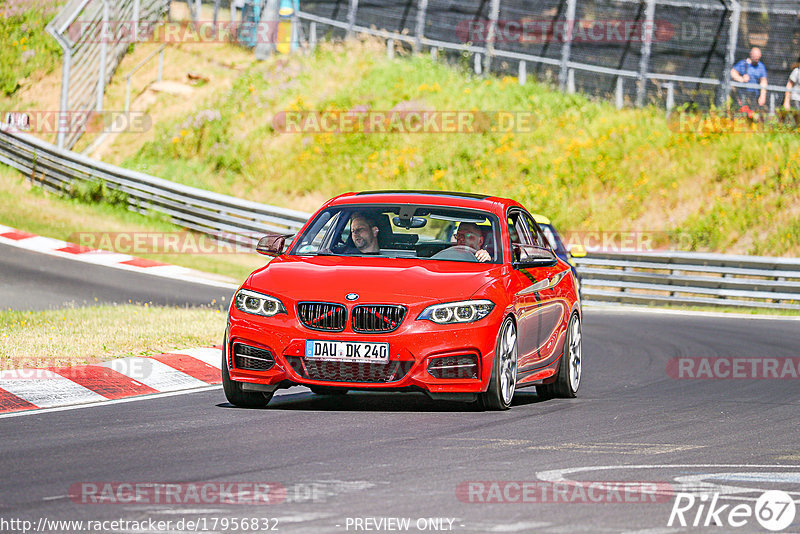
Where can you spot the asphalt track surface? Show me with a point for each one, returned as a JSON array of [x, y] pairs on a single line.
[[369, 456], [35, 281]]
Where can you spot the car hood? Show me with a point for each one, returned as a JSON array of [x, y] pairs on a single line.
[[375, 280]]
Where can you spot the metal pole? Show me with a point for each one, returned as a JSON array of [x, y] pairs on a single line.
[[161, 64], [136, 9], [571, 81], [390, 48], [351, 17], [422, 10], [101, 73], [312, 35], [128, 95], [65, 68], [477, 66], [216, 16], [647, 44], [566, 48], [491, 35], [523, 73], [730, 56], [670, 97], [620, 93]]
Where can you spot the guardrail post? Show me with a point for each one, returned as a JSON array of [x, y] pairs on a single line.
[[571, 81], [566, 48], [491, 35], [523, 73], [312, 35], [477, 67], [434, 53], [351, 17], [619, 96], [730, 56], [390, 48], [670, 97], [647, 43], [771, 103], [422, 11]]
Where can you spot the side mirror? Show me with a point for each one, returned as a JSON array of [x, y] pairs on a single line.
[[271, 244], [532, 256], [577, 251]]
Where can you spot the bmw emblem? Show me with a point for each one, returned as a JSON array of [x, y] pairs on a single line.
[[351, 296]]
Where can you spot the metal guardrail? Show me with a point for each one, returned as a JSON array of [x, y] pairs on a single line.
[[227, 218], [681, 278], [687, 278]]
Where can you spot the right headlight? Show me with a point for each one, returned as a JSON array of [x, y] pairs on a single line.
[[465, 311], [258, 304]]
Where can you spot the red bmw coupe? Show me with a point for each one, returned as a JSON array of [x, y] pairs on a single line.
[[457, 295]]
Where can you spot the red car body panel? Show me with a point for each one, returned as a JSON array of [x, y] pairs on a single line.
[[541, 315]]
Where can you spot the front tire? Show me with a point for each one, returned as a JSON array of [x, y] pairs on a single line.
[[504, 370], [570, 369], [233, 390]]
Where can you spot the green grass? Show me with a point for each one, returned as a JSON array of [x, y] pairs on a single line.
[[34, 210], [27, 48], [91, 334], [584, 163]]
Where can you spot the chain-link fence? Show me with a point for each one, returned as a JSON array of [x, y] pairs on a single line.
[[94, 36], [666, 52]]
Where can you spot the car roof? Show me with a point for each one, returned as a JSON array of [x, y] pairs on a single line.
[[437, 198]]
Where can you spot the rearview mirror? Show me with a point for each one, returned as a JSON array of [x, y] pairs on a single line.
[[409, 223], [271, 244], [532, 256]]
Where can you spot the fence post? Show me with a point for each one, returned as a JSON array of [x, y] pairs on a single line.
[[312, 35], [478, 64], [566, 48], [523, 72], [390, 48], [351, 17], [670, 97], [620, 93], [571, 81], [101, 71], [422, 10], [647, 44], [491, 35], [730, 56]]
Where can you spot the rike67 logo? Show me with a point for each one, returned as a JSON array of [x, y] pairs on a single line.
[[774, 510]]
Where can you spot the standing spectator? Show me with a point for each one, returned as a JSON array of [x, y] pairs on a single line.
[[753, 72], [793, 97]]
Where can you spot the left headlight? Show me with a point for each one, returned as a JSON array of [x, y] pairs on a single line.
[[465, 311], [258, 304]]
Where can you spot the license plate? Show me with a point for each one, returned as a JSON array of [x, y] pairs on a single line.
[[347, 351]]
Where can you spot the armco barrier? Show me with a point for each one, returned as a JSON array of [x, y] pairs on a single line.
[[226, 217], [682, 278], [688, 278]]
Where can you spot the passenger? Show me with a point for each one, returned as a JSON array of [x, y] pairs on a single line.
[[364, 233], [470, 235]]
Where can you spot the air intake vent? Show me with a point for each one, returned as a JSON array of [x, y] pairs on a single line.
[[377, 319], [323, 316], [463, 366], [393, 371], [252, 358]]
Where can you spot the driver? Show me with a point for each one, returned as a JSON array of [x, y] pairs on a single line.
[[470, 235], [364, 231]]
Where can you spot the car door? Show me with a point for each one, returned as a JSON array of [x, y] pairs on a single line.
[[536, 307]]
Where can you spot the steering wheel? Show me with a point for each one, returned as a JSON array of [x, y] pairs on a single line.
[[457, 253]]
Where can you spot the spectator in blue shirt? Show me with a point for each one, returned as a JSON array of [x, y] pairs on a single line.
[[753, 72]]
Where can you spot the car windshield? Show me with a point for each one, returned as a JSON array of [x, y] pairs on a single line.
[[403, 231]]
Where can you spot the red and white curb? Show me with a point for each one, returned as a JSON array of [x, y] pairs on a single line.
[[56, 247], [31, 389]]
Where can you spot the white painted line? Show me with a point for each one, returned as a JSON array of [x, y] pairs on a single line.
[[49, 391], [39, 243], [154, 374], [628, 309], [209, 355]]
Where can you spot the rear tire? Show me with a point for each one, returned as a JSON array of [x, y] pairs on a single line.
[[504, 370], [327, 390], [233, 390], [568, 379]]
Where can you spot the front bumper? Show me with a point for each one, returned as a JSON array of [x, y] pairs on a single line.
[[412, 346]]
